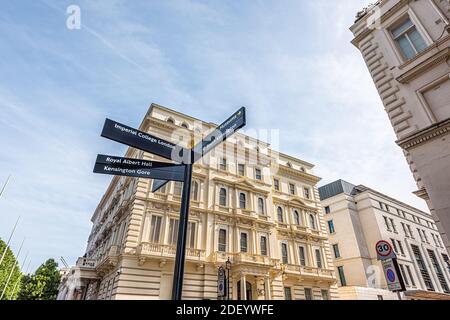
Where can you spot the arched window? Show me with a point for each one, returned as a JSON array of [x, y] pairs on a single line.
[[289, 164], [302, 169], [261, 206], [223, 197], [170, 120], [242, 201], [280, 214], [194, 190], [296, 217], [185, 125], [312, 221], [177, 188]]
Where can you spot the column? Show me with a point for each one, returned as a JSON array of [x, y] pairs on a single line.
[[267, 290], [243, 287], [310, 255]]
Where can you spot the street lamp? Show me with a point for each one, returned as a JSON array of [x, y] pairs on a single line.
[[228, 267]]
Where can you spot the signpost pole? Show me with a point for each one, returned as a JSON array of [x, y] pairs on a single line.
[[177, 290]]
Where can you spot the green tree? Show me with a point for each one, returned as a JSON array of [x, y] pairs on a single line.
[[8, 263], [43, 284]]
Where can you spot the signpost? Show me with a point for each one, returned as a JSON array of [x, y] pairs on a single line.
[[163, 172], [221, 283], [391, 269]]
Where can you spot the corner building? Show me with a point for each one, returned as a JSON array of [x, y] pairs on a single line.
[[406, 47], [357, 218], [265, 216]]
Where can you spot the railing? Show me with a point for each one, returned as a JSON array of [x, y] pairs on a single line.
[[155, 249], [243, 258], [308, 271], [86, 263]]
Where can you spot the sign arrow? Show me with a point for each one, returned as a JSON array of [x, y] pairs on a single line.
[[141, 140]]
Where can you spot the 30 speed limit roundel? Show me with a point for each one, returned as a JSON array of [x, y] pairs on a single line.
[[384, 248]]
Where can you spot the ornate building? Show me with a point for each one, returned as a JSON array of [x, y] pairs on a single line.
[[406, 46], [258, 208]]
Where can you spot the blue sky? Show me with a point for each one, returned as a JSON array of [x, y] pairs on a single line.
[[289, 62]]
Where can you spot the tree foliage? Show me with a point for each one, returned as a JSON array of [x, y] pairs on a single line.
[[43, 284], [9, 262]]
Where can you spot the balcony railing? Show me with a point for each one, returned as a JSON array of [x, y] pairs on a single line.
[[86, 263], [308, 271], [242, 257], [161, 250]]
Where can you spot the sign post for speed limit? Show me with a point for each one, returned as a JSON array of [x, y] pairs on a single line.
[[388, 258]]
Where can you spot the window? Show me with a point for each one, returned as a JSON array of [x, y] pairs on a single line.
[[380, 297], [394, 245], [438, 271], [287, 293], [402, 270], [161, 190], [241, 169], [223, 197], [387, 208], [155, 230], [276, 184], [177, 188], [408, 39], [410, 231], [381, 205], [400, 246], [327, 210], [222, 240], [173, 233], [420, 234], [242, 200], [258, 175], [319, 259], [284, 253], [404, 229], [308, 294], [170, 120], [280, 214], [408, 269], [292, 188], [447, 262], [386, 223], [393, 225], [325, 294], [337, 254], [185, 125], [312, 221], [244, 242], [306, 193], [301, 251], [261, 209], [342, 276], [223, 164], [263, 245], [296, 217], [331, 226], [194, 190], [422, 267]]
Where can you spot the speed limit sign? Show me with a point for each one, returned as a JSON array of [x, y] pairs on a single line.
[[384, 250]]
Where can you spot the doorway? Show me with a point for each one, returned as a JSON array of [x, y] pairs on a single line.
[[248, 290]]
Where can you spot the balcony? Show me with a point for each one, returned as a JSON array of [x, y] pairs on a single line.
[[242, 258], [308, 272], [155, 250], [86, 263], [109, 260]]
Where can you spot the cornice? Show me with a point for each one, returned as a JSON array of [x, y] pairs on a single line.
[[425, 135], [426, 65], [366, 31], [299, 174]]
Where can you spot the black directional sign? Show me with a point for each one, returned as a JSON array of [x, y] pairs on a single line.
[[220, 134], [138, 168], [158, 184], [141, 140]]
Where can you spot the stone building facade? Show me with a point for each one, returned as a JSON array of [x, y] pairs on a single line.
[[264, 215], [406, 46], [357, 217]]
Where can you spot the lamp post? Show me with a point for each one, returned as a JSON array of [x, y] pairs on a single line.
[[228, 267]]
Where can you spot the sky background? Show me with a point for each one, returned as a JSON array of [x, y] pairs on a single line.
[[289, 62]]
